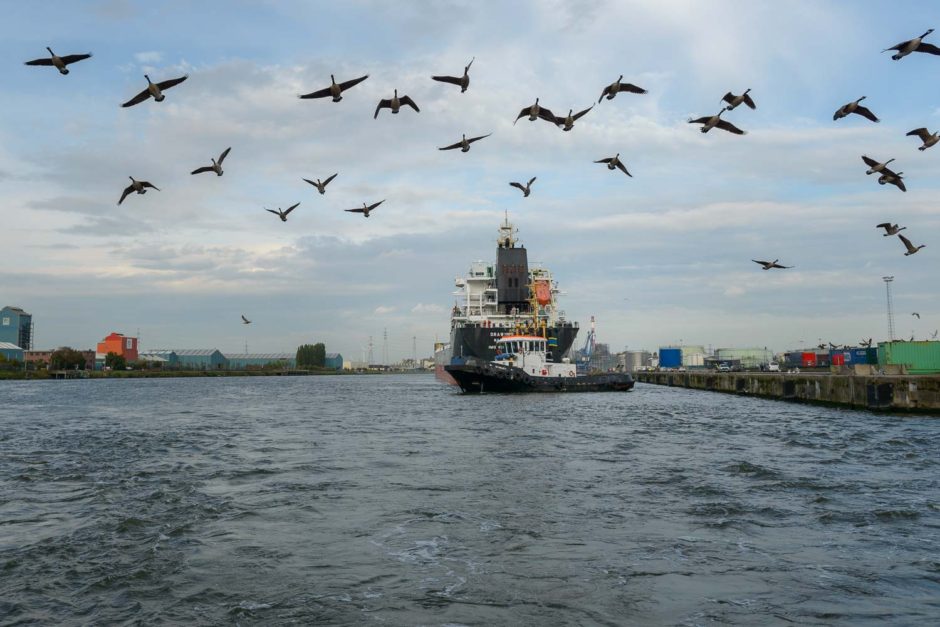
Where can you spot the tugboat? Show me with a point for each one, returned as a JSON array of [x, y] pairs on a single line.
[[522, 365]]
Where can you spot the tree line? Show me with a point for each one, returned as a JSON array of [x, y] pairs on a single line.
[[311, 355]]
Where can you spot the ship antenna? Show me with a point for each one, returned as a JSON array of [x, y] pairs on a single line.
[[506, 231]]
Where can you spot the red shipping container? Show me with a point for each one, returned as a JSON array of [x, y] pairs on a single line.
[[808, 360], [838, 359]]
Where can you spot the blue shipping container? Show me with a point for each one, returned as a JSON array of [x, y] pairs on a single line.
[[856, 356], [670, 357]]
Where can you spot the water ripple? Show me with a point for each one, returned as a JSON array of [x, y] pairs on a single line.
[[350, 500]]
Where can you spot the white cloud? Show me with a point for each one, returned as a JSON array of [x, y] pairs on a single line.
[[383, 310], [432, 308], [149, 57]]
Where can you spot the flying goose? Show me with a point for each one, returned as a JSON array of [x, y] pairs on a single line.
[[534, 111], [526, 189], [917, 315], [569, 120], [365, 209], [925, 136], [462, 81], [136, 186], [335, 89], [321, 186], [887, 176], [890, 229], [395, 103], [154, 89], [854, 107], [245, 320], [464, 144], [59, 62], [615, 162], [216, 165], [733, 101], [874, 165], [771, 264], [910, 247], [712, 121], [616, 87], [913, 45], [282, 214]]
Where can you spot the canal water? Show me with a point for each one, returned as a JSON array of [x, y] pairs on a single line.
[[393, 500]]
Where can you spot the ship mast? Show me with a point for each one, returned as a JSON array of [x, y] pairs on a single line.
[[507, 234]]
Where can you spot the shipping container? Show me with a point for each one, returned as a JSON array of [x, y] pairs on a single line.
[[853, 356], [916, 357], [670, 357], [807, 360]]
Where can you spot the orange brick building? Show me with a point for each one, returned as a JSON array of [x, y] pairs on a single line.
[[124, 346]]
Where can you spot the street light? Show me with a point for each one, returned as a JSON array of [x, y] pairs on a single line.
[[888, 280]]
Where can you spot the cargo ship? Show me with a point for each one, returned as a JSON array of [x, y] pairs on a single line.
[[508, 297]]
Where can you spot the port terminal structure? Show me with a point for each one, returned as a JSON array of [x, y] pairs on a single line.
[[877, 392]]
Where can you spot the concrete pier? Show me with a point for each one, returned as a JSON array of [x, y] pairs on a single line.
[[905, 393]]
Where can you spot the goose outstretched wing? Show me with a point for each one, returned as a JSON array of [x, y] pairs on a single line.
[[866, 113], [453, 80], [731, 128], [139, 98], [406, 100], [173, 82]]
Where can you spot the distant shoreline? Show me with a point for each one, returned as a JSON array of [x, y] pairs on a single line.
[[72, 375]]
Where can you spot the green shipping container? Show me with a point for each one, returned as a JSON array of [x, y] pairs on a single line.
[[916, 357]]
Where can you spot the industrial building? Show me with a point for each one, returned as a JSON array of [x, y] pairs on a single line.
[[11, 352], [193, 358], [748, 358], [682, 357], [260, 360], [163, 358], [16, 327], [119, 344], [334, 361], [44, 358], [632, 361]]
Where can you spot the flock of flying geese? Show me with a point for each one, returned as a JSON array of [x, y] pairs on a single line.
[[886, 175], [535, 112]]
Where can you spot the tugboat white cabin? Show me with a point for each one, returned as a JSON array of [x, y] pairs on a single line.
[[529, 353]]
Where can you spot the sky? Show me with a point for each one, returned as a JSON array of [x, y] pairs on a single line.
[[660, 258]]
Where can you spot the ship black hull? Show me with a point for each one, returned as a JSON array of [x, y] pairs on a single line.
[[480, 341], [476, 377]]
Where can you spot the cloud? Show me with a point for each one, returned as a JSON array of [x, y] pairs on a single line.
[[149, 57], [432, 308], [383, 310]]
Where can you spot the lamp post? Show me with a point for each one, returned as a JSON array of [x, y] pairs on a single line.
[[888, 280]]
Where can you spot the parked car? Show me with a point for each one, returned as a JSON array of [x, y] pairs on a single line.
[[724, 368], [773, 367]]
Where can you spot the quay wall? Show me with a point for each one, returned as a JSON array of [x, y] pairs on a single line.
[[909, 393]]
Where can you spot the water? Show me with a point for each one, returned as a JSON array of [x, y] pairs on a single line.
[[393, 500]]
